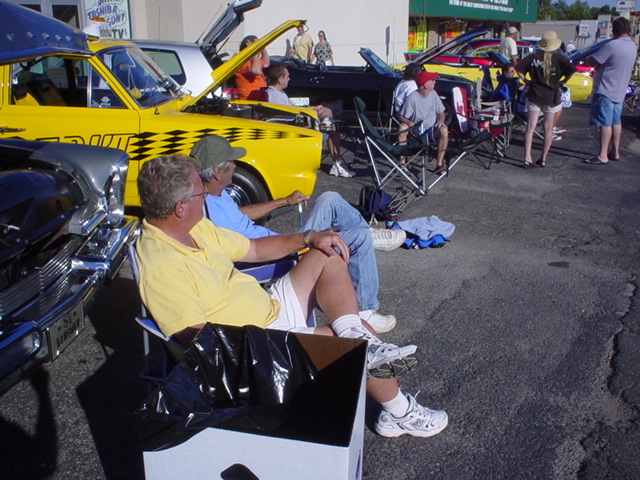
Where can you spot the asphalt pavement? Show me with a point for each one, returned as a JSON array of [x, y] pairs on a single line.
[[527, 322]]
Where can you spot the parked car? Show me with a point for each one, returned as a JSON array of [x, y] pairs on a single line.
[[59, 87], [474, 51], [63, 237], [469, 67]]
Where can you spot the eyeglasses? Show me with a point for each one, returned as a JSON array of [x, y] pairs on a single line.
[[202, 194]]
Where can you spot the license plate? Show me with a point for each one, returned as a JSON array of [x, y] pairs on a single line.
[[62, 333]]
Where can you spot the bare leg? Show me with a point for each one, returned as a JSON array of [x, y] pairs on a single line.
[[605, 138], [327, 279], [443, 142], [334, 143], [547, 124], [532, 121], [616, 131]]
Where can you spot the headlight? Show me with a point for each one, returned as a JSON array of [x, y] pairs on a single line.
[[115, 195]]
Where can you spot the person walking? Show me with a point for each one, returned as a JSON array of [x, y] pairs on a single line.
[[322, 52], [613, 63], [547, 69]]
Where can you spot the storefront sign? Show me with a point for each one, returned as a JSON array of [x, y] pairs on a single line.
[[114, 12], [511, 10]]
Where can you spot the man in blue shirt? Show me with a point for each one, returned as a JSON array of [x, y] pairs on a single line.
[[330, 211]]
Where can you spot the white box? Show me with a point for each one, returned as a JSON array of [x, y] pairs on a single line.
[[215, 453]]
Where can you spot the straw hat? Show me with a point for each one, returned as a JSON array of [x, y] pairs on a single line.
[[549, 41]]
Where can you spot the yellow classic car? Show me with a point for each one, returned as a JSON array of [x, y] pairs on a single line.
[[109, 93]]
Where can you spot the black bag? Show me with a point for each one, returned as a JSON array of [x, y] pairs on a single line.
[[374, 202]]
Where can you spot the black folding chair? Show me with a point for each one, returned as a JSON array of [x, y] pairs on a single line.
[[404, 166]]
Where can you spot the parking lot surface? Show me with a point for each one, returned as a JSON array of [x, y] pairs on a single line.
[[527, 323]]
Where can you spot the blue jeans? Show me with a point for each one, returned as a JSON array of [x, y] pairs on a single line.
[[331, 210]]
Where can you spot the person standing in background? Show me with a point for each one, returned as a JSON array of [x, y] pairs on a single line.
[[508, 46], [322, 51], [613, 63], [548, 69], [302, 45]]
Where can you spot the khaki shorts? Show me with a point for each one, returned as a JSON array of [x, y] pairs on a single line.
[[536, 108], [290, 317]]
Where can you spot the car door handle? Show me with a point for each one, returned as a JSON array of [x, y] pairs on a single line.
[[11, 130]]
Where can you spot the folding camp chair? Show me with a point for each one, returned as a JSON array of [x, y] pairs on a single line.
[[631, 97], [408, 177], [482, 130]]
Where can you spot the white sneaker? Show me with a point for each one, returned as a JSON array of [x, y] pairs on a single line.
[[556, 137], [380, 323], [337, 170], [419, 421], [559, 131], [385, 360], [387, 240]]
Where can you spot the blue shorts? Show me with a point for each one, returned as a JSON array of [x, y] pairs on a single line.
[[604, 112]]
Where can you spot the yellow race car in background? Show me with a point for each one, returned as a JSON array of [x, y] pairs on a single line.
[[456, 58], [62, 88]]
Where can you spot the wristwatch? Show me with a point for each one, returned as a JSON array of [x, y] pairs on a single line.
[[305, 237]]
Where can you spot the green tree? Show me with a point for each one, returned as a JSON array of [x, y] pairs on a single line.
[[579, 10], [546, 9]]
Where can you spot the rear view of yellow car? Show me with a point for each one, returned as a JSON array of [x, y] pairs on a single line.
[[110, 93]]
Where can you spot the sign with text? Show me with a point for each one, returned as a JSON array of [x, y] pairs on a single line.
[[511, 10], [114, 12]]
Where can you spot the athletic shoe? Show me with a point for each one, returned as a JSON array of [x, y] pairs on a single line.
[[387, 240], [556, 137], [380, 323], [337, 170], [419, 421], [559, 131], [385, 360]]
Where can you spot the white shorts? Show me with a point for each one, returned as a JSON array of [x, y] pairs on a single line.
[[290, 317], [536, 108]]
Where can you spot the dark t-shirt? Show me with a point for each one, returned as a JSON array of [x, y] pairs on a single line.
[[541, 93]]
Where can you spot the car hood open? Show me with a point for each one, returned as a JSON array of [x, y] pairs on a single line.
[[430, 54], [225, 71], [26, 34]]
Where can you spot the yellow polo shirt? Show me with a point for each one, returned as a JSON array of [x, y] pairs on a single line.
[[183, 286]]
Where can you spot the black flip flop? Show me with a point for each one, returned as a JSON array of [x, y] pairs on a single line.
[[594, 161]]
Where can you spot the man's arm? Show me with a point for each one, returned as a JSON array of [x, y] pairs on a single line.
[[272, 248], [258, 210]]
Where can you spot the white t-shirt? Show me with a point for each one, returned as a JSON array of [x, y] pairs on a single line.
[[276, 96], [401, 92], [508, 47]]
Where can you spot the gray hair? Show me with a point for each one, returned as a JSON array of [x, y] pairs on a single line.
[[163, 182], [206, 174]]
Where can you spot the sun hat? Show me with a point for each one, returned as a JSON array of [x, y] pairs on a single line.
[[512, 30], [423, 77], [549, 41], [213, 150]]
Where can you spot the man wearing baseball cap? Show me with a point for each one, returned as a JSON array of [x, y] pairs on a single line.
[[508, 47], [423, 112]]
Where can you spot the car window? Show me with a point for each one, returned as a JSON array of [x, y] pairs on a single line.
[[169, 62], [61, 82], [145, 81]]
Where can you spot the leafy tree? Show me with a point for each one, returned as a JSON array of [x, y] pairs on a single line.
[[545, 9], [578, 10]]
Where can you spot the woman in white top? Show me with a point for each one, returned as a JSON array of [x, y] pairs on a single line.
[[406, 87]]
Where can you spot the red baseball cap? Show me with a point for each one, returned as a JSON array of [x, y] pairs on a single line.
[[423, 77]]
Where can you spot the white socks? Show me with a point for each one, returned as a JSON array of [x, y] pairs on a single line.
[[350, 326], [397, 406]]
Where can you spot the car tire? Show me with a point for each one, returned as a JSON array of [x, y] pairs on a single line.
[[246, 188]]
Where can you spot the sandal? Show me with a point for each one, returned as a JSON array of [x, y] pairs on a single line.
[[440, 170], [527, 165], [541, 163]]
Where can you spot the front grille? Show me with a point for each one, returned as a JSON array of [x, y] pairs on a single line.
[[38, 281]]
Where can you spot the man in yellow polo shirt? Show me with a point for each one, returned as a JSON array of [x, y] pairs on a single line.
[[187, 278]]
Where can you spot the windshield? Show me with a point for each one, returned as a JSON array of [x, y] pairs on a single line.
[[376, 62], [147, 84]]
